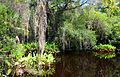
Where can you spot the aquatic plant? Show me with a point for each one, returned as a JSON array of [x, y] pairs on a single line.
[[104, 47], [104, 51]]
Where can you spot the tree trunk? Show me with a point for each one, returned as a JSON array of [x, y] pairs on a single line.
[[41, 23]]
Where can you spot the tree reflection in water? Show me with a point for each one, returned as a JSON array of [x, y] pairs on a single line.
[[87, 65]]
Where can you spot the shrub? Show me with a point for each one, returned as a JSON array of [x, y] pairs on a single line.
[[51, 48], [48, 59], [104, 51], [33, 62], [18, 51], [104, 47], [31, 46]]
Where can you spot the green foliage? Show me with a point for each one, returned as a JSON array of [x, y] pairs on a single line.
[[9, 28], [115, 36], [74, 31], [7, 44], [104, 51], [104, 47], [28, 61], [8, 20], [51, 48], [55, 4], [32, 62], [106, 56], [78, 28], [99, 22], [10, 45], [31, 46], [8, 64], [18, 51], [5, 19], [84, 26], [48, 59], [49, 71], [112, 9]]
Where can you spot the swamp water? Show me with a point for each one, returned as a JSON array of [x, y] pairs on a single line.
[[87, 65], [83, 65]]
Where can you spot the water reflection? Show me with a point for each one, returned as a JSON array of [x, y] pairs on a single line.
[[86, 65]]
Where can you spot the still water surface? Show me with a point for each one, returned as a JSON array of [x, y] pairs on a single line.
[[86, 65]]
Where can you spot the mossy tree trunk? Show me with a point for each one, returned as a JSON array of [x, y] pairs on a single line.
[[41, 23]]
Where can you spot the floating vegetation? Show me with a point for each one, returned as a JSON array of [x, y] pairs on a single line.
[[104, 51]]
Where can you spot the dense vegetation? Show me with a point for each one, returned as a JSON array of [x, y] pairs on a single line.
[[33, 31]]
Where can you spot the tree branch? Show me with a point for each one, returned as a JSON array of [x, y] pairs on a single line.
[[76, 6]]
